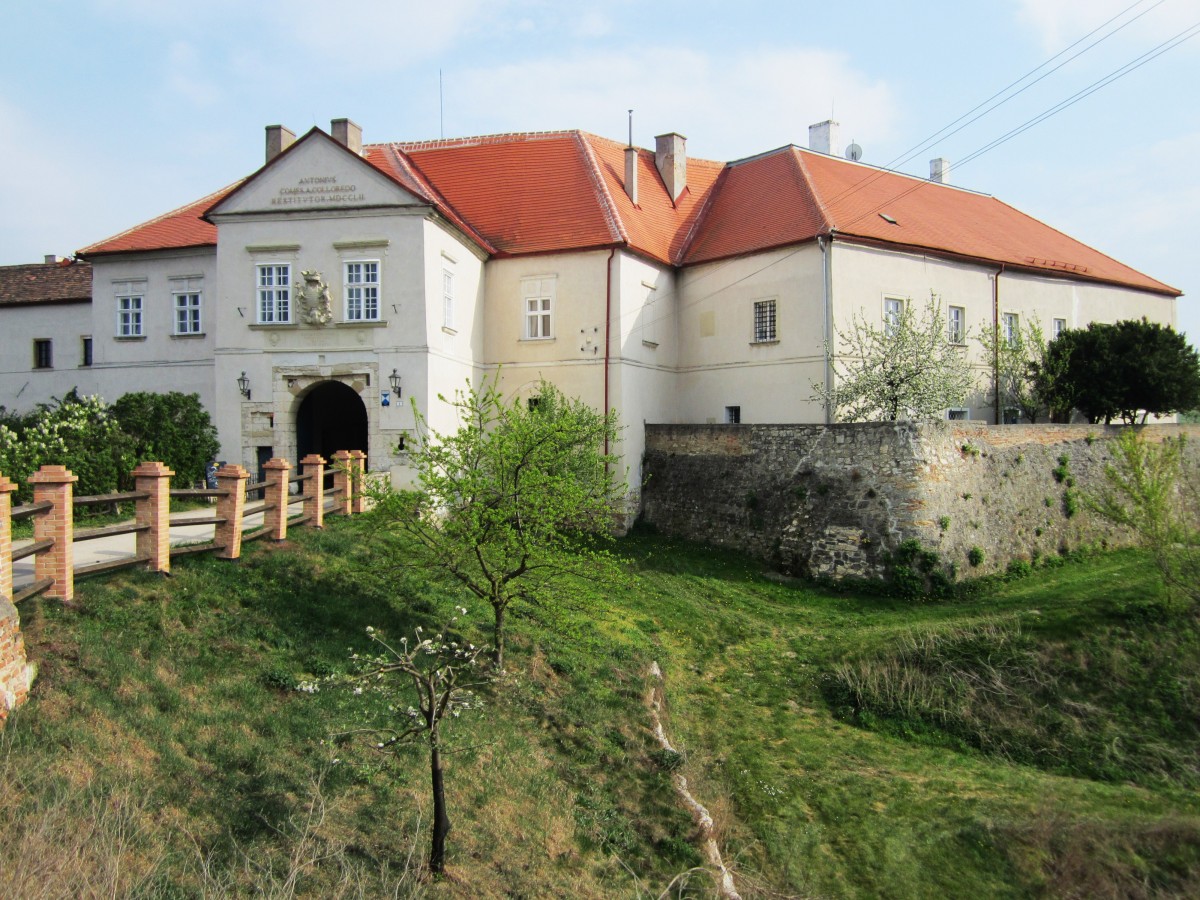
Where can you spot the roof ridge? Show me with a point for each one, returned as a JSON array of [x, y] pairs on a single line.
[[806, 184], [701, 217], [435, 196], [475, 140], [610, 207], [167, 215]]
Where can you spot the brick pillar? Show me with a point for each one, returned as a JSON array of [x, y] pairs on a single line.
[[6, 489], [342, 479], [154, 478], [275, 515], [16, 674], [358, 474], [231, 480], [56, 484], [314, 490]]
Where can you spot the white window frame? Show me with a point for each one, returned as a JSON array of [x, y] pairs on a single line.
[[538, 296], [766, 321], [362, 294], [893, 309], [131, 305], [956, 326], [1058, 327], [447, 298], [1010, 328], [273, 299]]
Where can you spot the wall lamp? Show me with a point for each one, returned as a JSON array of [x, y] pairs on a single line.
[[243, 384], [394, 381]]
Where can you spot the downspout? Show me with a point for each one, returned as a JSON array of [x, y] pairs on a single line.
[[827, 318], [997, 412], [607, 327]]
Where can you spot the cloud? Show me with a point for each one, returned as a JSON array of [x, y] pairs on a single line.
[[1058, 23], [737, 105]]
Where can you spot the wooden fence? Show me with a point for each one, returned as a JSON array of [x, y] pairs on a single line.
[[55, 535]]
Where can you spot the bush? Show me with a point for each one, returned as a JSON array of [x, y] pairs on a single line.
[[172, 428], [975, 556]]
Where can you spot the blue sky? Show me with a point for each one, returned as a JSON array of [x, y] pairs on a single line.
[[114, 111]]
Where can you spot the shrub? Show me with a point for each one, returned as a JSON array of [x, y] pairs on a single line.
[[173, 428], [975, 556]]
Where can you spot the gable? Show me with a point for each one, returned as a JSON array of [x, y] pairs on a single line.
[[316, 173]]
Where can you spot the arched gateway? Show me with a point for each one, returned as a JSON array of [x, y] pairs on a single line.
[[331, 417]]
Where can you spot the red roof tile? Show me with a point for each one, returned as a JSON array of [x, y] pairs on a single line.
[[559, 191], [60, 282]]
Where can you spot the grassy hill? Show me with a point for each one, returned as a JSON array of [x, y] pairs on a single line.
[[1038, 738]]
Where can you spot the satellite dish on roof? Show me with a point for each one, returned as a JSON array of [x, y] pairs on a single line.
[[854, 153]]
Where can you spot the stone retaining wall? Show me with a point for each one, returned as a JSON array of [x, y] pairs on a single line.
[[834, 501], [16, 674]]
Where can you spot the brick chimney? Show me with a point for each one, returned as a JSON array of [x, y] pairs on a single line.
[[939, 170], [670, 157], [278, 140], [348, 134], [824, 138]]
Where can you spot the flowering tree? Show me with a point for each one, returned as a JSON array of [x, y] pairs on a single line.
[[906, 367], [515, 505], [1015, 360], [443, 674]]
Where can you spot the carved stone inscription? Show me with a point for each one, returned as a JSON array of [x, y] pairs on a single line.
[[318, 190]]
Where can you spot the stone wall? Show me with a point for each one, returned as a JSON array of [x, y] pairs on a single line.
[[834, 501]]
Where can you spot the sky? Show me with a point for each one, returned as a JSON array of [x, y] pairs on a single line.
[[115, 111]]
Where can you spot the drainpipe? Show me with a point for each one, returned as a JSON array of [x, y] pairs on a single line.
[[997, 415], [827, 317], [607, 326]]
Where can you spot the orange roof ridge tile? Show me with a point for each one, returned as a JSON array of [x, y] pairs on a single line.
[[434, 196], [610, 210], [701, 218], [805, 183], [506, 137], [179, 211]]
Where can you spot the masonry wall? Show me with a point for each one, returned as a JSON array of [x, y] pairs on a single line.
[[834, 501], [15, 673]]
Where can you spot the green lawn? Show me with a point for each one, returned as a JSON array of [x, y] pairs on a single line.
[[1037, 738]]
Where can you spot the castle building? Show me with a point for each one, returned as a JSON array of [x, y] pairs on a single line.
[[309, 303]]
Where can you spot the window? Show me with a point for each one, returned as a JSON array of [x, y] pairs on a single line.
[[1012, 415], [733, 415], [187, 313], [447, 298], [956, 320], [1060, 325], [893, 309], [43, 354], [538, 298], [129, 296], [362, 291], [1010, 328], [274, 294], [764, 321], [958, 415], [85, 357]]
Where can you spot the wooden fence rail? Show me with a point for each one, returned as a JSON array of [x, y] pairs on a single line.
[[55, 536]]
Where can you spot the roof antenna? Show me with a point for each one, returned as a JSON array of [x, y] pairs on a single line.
[[441, 109]]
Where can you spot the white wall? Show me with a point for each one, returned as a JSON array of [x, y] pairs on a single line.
[[22, 386]]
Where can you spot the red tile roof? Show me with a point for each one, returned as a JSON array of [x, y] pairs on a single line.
[[556, 191], [60, 282]]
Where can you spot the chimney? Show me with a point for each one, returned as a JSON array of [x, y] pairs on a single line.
[[631, 167], [823, 137], [347, 134], [939, 170], [670, 156], [278, 140], [53, 259]]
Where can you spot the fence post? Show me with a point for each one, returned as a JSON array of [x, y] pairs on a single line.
[[358, 471], [343, 481], [231, 481], [6, 489], [56, 485], [275, 516], [314, 489], [154, 512]]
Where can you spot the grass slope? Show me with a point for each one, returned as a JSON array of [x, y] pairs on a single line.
[[1037, 739]]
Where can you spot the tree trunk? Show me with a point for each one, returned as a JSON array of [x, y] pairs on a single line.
[[441, 821], [498, 653]]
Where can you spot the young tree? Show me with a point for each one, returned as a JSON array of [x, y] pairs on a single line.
[[1014, 363], [1151, 491], [907, 367], [444, 675], [515, 505]]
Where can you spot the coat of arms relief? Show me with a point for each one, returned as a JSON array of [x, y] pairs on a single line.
[[315, 301]]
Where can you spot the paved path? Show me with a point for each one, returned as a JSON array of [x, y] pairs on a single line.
[[121, 546]]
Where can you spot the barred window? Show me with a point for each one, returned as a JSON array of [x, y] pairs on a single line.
[[764, 321]]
